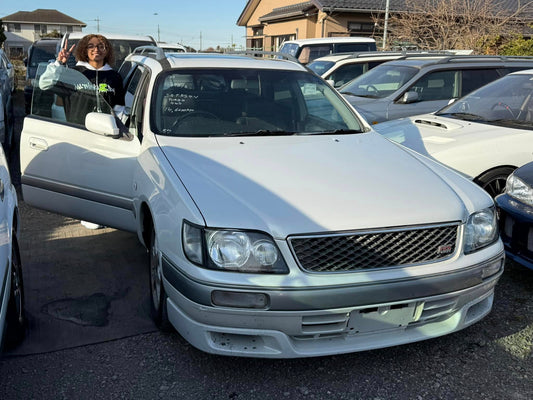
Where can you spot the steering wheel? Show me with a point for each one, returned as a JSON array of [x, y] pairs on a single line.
[[193, 114], [372, 88], [504, 106]]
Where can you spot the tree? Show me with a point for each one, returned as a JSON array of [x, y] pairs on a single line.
[[2, 34], [456, 24]]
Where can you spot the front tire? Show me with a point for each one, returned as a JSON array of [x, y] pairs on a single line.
[[158, 296], [494, 180], [15, 315]]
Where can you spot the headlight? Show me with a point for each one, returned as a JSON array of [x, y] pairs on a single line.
[[481, 230], [232, 250], [518, 189]]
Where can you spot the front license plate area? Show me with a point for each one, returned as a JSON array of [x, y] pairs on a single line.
[[383, 318]]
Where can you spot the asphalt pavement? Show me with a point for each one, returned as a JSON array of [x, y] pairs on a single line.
[[90, 337]]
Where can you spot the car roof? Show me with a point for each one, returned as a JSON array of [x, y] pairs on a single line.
[[351, 39], [380, 55], [151, 56], [421, 62]]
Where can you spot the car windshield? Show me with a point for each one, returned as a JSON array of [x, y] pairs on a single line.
[[505, 102], [320, 67], [235, 102], [42, 54], [379, 82]]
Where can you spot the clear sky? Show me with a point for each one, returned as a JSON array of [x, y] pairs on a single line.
[[210, 23]]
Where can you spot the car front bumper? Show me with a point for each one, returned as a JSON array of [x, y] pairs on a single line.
[[516, 229], [289, 327]]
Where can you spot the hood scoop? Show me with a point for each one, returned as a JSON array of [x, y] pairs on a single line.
[[437, 124]]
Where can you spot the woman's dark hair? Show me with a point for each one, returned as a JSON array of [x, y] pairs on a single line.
[[81, 52]]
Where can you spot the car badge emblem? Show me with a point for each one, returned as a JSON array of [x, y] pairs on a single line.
[[444, 249]]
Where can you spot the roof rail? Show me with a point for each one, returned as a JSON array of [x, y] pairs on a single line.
[[273, 54], [158, 52], [481, 58]]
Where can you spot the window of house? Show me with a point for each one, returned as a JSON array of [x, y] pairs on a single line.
[[359, 27], [278, 40], [257, 31], [40, 28], [13, 27], [65, 29]]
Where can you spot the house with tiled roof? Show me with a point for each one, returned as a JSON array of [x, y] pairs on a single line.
[[270, 22], [24, 27]]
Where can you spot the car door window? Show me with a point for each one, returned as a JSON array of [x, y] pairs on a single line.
[[65, 95], [472, 79], [438, 85], [347, 72]]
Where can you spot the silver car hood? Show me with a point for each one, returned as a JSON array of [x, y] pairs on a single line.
[[303, 184]]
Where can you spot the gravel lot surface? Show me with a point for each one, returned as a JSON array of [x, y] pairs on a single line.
[[489, 360]]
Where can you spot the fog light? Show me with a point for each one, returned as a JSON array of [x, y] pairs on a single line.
[[492, 268], [239, 299]]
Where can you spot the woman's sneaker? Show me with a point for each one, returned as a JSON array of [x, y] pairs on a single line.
[[90, 225]]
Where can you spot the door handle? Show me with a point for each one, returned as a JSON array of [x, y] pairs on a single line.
[[38, 144]]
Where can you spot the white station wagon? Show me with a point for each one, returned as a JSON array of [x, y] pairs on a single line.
[[278, 223]]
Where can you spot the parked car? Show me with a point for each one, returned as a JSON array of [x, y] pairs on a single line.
[[307, 50], [12, 314], [6, 100], [269, 235], [41, 51], [172, 47], [7, 65], [515, 209], [122, 44], [485, 135], [339, 69], [417, 85]]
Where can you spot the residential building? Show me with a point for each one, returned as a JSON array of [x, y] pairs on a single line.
[[24, 27], [271, 22]]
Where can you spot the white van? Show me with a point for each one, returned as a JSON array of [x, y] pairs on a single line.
[[306, 50], [123, 45]]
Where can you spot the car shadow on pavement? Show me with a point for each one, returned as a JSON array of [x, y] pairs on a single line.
[[82, 286]]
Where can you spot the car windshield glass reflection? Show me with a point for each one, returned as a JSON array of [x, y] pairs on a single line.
[[505, 102], [241, 102], [65, 95], [379, 82]]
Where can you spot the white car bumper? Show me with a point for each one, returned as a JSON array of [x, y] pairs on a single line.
[[319, 332]]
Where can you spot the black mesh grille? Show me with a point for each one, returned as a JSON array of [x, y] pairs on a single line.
[[354, 252]]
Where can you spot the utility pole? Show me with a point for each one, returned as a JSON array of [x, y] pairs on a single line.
[[385, 25], [200, 40], [97, 24]]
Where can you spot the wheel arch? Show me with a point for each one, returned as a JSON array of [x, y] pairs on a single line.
[[147, 223], [493, 169]]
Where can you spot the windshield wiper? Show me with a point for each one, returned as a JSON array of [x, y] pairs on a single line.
[[261, 132], [336, 132], [464, 116], [360, 95]]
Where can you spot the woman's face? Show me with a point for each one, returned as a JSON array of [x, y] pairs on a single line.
[[96, 50]]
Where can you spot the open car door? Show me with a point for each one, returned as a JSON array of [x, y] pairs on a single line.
[[73, 158]]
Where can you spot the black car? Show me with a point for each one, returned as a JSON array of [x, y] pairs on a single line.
[[41, 51], [515, 207]]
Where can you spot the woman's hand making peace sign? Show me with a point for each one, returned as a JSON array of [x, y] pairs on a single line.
[[64, 54]]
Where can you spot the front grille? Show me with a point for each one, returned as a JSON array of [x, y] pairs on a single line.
[[376, 249]]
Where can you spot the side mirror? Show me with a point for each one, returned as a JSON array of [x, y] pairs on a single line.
[[409, 97], [102, 124]]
